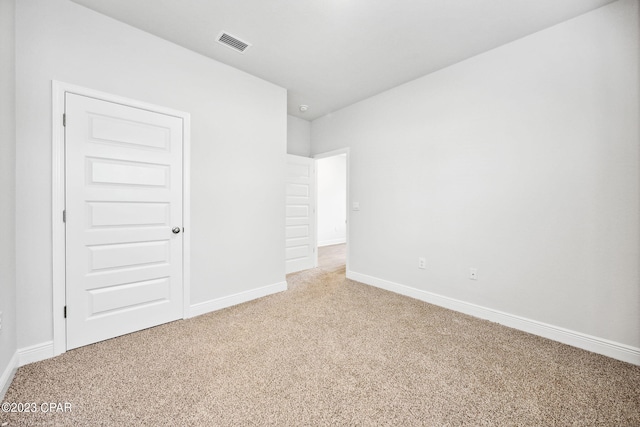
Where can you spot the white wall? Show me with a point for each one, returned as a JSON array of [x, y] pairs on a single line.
[[298, 136], [7, 191], [238, 148], [332, 200], [521, 162]]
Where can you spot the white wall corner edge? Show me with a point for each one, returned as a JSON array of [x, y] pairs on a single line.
[[235, 299], [7, 375], [590, 343]]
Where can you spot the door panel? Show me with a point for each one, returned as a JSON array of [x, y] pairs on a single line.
[[109, 172], [300, 212], [123, 180], [115, 214], [135, 294]]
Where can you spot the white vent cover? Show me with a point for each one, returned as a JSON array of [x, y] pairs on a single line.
[[233, 42]]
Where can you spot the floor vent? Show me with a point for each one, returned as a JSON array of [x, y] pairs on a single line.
[[233, 42]]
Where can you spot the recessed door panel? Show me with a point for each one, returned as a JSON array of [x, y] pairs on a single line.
[[127, 255], [298, 211], [127, 214], [299, 190], [109, 300], [297, 231], [118, 172], [297, 252], [120, 131], [298, 170]]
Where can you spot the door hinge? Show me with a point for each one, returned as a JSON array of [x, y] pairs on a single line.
[[65, 311], [64, 120], [64, 215]]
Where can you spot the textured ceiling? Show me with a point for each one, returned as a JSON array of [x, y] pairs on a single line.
[[332, 53]]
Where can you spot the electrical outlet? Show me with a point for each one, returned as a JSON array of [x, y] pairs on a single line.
[[473, 273], [422, 263]]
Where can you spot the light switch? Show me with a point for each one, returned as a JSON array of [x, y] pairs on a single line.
[[356, 206]]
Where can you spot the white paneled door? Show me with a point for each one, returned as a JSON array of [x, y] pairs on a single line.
[[300, 212], [123, 219]]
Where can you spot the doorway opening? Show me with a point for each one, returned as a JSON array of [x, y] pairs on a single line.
[[332, 213]]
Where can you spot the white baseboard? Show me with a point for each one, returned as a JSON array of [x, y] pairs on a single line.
[[38, 352], [35, 353], [332, 242], [591, 343], [7, 375], [235, 299]]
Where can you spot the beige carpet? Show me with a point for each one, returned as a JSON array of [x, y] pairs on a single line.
[[333, 257], [329, 351]]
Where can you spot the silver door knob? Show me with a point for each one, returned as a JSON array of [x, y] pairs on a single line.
[[175, 230]]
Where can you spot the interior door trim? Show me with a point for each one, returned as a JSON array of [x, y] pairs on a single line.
[[58, 90]]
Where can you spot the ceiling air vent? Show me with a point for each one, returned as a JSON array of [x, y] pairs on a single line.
[[232, 42]]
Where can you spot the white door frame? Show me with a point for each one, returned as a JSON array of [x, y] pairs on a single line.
[[334, 153], [58, 90]]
